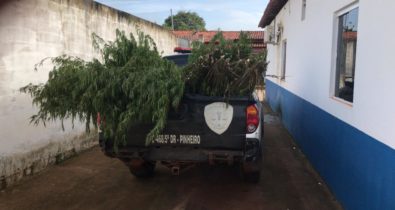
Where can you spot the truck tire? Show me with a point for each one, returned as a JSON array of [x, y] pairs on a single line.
[[251, 172], [252, 177], [146, 169]]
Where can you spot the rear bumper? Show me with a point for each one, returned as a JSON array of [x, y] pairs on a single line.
[[250, 154], [185, 154]]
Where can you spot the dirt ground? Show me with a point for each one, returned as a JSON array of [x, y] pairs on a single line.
[[93, 181]]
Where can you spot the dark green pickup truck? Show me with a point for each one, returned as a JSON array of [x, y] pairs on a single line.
[[204, 129]]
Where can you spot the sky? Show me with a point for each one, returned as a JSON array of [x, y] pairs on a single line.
[[228, 15]]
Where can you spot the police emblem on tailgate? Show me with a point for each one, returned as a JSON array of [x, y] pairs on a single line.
[[218, 116]]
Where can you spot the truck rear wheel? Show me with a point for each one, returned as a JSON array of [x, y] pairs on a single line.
[[252, 177], [250, 172], [142, 170]]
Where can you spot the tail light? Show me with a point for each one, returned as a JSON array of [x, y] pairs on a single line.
[[252, 118]]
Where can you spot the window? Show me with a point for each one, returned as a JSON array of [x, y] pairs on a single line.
[[303, 9], [346, 53], [283, 59]]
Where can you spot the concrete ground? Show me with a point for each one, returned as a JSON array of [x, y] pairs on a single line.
[[93, 181]]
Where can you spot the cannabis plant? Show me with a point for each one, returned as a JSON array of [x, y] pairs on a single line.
[[130, 84], [224, 67]]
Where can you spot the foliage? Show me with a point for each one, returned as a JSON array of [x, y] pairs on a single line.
[[184, 20], [132, 84], [224, 68]]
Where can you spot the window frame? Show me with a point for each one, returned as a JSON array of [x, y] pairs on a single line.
[[283, 69], [335, 43]]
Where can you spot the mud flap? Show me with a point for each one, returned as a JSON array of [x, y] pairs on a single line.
[[252, 161]]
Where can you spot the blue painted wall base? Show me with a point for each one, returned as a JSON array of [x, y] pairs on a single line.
[[359, 169]]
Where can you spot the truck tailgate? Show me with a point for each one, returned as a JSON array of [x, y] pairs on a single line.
[[187, 127]]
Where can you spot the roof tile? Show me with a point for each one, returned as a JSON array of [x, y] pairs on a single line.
[[208, 35]]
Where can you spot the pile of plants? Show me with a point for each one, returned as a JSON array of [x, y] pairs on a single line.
[[224, 67], [131, 83]]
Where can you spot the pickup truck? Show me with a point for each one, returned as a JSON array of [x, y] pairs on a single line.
[[203, 129]]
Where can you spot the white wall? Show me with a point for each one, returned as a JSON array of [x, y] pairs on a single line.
[[31, 30], [311, 55]]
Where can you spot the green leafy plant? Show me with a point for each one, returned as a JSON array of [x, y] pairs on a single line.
[[133, 84], [130, 84], [224, 67]]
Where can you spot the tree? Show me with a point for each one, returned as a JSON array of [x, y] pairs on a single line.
[[184, 20]]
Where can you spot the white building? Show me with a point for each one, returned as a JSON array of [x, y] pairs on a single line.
[[331, 77]]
